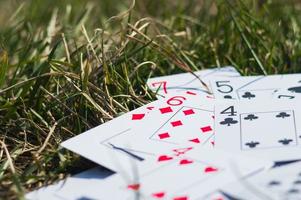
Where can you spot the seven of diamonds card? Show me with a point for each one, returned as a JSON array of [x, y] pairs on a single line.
[[266, 130]]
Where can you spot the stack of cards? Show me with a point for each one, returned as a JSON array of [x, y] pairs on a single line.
[[210, 135]]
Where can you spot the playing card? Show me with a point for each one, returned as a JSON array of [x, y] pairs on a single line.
[[172, 84], [278, 184], [261, 129], [192, 123], [110, 144], [250, 88], [192, 174], [71, 187]]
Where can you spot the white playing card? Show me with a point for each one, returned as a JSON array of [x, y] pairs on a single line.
[[261, 129], [250, 88], [109, 144], [192, 123], [172, 84], [277, 184], [190, 175], [71, 187]]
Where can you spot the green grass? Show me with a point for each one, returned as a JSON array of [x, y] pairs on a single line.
[[68, 67]]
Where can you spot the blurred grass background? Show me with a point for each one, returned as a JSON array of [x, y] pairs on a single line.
[[67, 66]]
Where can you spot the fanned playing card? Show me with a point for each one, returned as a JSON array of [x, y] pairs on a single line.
[[191, 123], [268, 130], [250, 88], [172, 84], [111, 144]]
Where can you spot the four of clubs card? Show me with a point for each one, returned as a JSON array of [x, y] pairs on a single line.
[[268, 130]]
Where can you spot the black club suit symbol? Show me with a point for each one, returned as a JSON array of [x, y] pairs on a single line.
[[227, 97], [282, 115], [248, 95], [285, 141], [228, 121], [252, 144], [274, 183], [251, 117]]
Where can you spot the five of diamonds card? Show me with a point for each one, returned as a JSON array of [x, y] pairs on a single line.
[[212, 134]]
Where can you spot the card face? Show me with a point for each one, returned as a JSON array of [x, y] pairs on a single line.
[[250, 88], [71, 187], [113, 144], [191, 123], [260, 129], [253, 125], [183, 125], [277, 183], [171, 175], [172, 84]]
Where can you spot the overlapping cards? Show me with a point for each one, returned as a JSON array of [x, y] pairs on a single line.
[[212, 134]]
